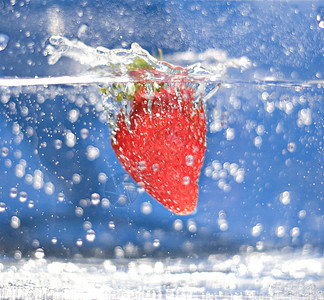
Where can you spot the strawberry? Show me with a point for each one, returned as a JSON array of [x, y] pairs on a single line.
[[162, 144]]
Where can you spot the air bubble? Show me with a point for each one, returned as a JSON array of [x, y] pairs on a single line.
[[70, 139], [95, 199], [186, 180], [73, 115], [91, 235], [4, 152], [280, 231], [13, 193], [155, 167], [285, 198], [4, 39], [92, 153], [146, 208], [230, 134], [291, 147], [189, 160], [2, 207], [84, 133], [58, 144], [54, 240], [39, 253], [142, 165], [256, 230], [178, 225], [23, 197], [15, 222], [79, 242], [31, 204], [258, 141], [60, 197]]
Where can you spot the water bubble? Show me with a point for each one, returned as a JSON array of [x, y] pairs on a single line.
[[291, 147], [60, 197], [87, 225], [280, 231], [285, 198], [95, 199], [260, 130], [111, 225], [294, 232], [49, 188], [156, 243], [320, 17], [58, 144], [142, 165], [79, 242], [31, 204], [155, 167], [70, 139], [186, 180], [13, 193], [302, 214], [84, 133], [2, 207], [304, 117], [4, 152], [230, 134], [146, 208], [79, 211], [91, 235], [102, 177], [189, 160], [73, 115], [15, 222], [54, 240], [23, 196], [20, 170], [191, 225], [105, 203], [4, 39], [258, 141], [92, 153], [178, 225], [76, 178], [39, 253], [256, 230], [17, 255]]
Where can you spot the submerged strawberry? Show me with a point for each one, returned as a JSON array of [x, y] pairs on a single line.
[[163, 146]]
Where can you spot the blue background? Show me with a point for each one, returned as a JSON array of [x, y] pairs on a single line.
[[282, 40]]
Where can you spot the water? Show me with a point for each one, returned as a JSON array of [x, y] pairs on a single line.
[[71, 215]]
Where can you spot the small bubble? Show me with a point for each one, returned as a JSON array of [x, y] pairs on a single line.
[[70, 139], [285, 198], [17, 255], [79, 211], [142, 165], [4, 39], [2, 207], [13, 193], [111, 225], [191, 225], [76, 178], [302, 214], [260, 130], [4, 152], [95, 199], [189, 160], [60, 197], [92, 153], [31, 204], [230, 134], [15, 222], [49, 188], [84, 133], [280, 231], [294, 232], [178, 225], [79, 242], [58, 144], [186, 180], [23, 196], [258, 141], [54, 240], [105, 203], [155, 167], [91, 235], [73, 115], [39, 253], [87, 225], [320, 17], [102, 177], [291, 147], [156, 243], [146, 208], [256, 230]]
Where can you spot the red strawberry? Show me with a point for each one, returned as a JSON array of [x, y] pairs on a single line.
[[163, 149]]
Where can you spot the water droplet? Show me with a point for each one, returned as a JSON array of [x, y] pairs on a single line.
[[23, 197], [13, 193], [189, 160], [39, 253], [91, 235], [95, 199], [4, 39]]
